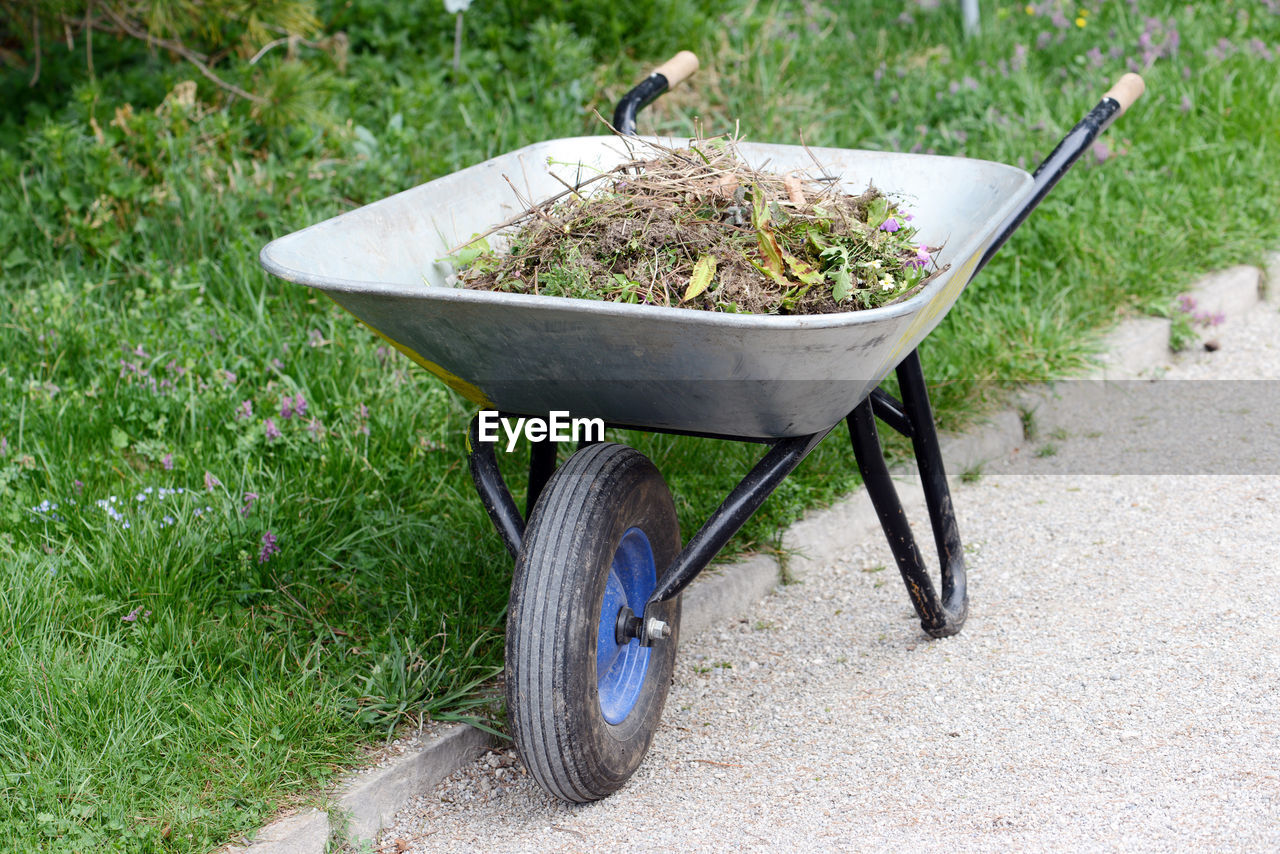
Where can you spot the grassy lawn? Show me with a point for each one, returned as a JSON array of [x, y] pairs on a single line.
[[238, 539]]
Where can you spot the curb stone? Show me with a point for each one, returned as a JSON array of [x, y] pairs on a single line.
[[1230, 292], [301, 833], [377, 796], [1271, 279], [1139, 348], [729, 589], [1133, 349]]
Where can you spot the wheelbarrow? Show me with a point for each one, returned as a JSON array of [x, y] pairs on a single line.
[[594, 615]]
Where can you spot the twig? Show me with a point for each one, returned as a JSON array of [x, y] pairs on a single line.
[[262, 51], [285, 39], [35, 27], [919, 286], [720, 764], [88, 36], [537, 209], [565, 184], [530, 211], [182, 51]]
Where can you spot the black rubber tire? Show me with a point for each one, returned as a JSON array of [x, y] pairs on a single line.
[[553, 705]]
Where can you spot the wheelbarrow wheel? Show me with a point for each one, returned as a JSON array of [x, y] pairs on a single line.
[[583, 708]]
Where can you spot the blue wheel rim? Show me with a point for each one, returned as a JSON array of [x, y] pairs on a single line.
[[621, 668]]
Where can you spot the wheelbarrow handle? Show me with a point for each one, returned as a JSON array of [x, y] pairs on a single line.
[[1127, 89], [1114, 103], [664, 77]]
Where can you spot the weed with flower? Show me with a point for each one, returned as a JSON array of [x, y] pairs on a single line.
[[699, 228]]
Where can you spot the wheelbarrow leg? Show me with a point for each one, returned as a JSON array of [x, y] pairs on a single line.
[[542, 464], [914, 418], [493, 491]]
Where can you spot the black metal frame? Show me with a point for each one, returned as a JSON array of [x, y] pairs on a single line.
[[912, 417], [940, 615]]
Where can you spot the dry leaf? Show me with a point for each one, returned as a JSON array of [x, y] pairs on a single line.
[[703, 271], [794, 192]]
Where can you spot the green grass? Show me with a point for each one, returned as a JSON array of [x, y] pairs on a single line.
[[136, 325]]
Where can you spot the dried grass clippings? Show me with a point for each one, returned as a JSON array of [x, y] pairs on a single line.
[[699, 228]]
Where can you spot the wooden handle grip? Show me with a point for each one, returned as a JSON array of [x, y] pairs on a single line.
[[1128, 89], [678, 67]]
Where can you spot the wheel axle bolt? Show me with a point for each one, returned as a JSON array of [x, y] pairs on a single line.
[[657, 629]]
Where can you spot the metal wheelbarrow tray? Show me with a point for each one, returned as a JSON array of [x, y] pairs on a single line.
[[593, 621], [761, 376]]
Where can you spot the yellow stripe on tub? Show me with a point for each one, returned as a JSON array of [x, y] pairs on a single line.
[[453, 381], [928, 314]]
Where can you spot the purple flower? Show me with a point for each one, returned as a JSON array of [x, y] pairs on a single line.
[[315, 428], [1185, 106], [1019, 60], [1204, 318], [286, 407], [1043, 40], [922, 257], [210, 481], [300, 404], [244, 410], [79, 485], [134, 614], [1094, 55], [167, 462], [273, 432], [4, 446], [269, 547], [890, 225], [249, 498], [1222, 49]]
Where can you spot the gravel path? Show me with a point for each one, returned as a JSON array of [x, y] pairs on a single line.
[[1116, 685]]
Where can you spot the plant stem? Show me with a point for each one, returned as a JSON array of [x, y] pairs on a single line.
[[457, 43]]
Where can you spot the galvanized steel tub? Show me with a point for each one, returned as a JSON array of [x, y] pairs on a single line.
[[748, 376]]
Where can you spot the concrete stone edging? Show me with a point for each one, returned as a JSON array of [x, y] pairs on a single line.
[[366, 802]]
